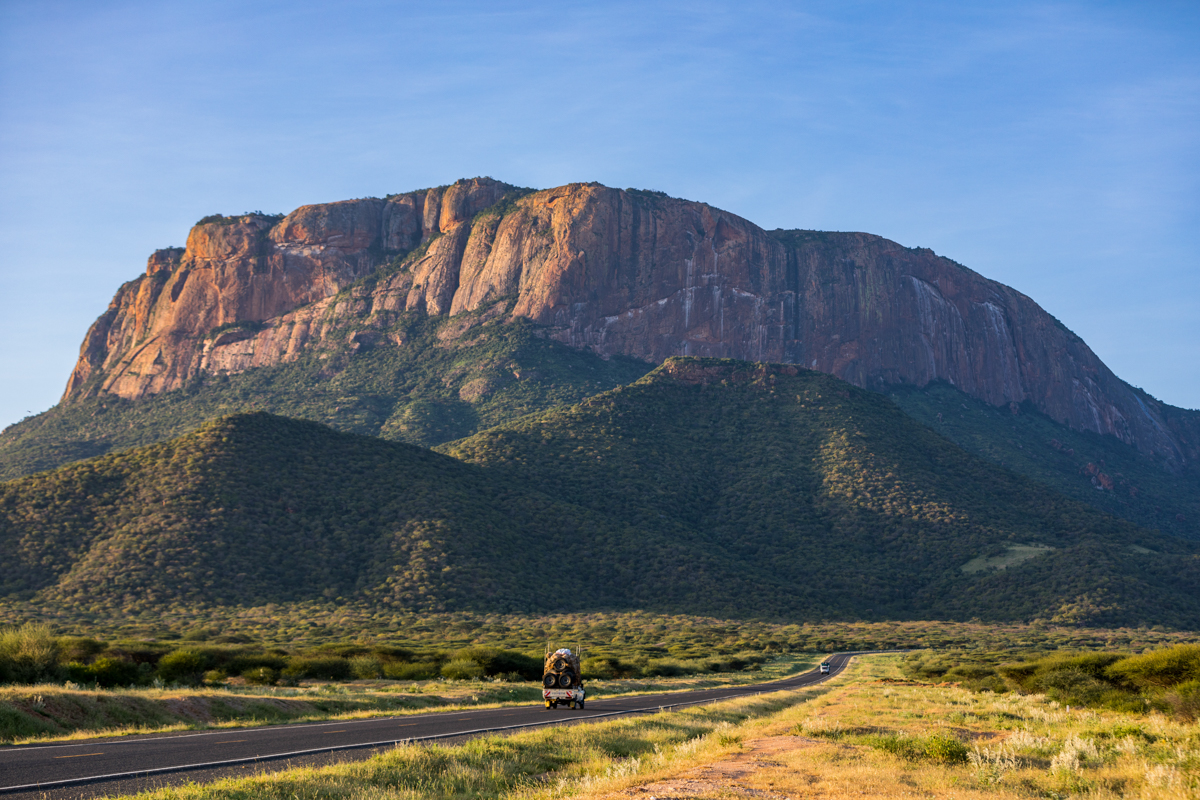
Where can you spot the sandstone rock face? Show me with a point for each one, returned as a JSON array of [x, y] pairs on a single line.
[[160, 330], [634, 273]]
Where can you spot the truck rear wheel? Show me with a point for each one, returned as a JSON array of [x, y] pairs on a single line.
[[581, 705]]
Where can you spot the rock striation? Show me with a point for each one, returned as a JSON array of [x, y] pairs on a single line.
[[629, 272]]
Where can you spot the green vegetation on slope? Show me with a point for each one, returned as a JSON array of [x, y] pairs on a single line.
[[797, 491], [1099, 470], [708, 487], [256, 509], [448, 378]]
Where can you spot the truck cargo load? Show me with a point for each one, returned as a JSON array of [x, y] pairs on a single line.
[[562, 679]]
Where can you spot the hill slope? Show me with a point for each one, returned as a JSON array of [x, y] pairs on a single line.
[[706, 487], [818, 496], [255, 509], [1098, 470]]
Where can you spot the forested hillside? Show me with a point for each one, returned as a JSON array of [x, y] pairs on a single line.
[[836, 502], [707, 487], [1101, 471]]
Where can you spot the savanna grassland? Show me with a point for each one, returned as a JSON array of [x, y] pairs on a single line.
[[871, 732]]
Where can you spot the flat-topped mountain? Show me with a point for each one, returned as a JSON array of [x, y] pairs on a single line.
[[612, 272]]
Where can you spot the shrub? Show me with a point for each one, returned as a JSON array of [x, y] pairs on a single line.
[[608, 667], [1077, 679], [110, 672], [330, 668], [416, 671], [940, 747], [185, 667], [945, 749], [28, 654], [366, 667], [1160, 668], [261, 676], [79, 649], [236, 664], [667, 668], [462, 669], [495, 661], [1183, 700]]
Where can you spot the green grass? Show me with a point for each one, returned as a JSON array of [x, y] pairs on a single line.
[[1014, 554]]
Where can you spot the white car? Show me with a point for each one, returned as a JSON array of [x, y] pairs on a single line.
[[825, 668]]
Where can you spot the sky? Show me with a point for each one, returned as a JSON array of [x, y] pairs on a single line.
[[1054, 147]]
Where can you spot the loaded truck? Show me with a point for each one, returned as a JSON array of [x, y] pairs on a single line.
[[562, 680]]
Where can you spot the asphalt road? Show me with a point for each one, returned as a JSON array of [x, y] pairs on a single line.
[[42, 767]]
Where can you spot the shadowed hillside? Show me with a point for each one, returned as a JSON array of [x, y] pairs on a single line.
[[843, 504], [707, 487]]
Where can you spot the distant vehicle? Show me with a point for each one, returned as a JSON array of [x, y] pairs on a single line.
[[562, 679], [825, 668]]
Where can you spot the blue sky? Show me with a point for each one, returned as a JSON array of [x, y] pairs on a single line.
[[1052, 146]]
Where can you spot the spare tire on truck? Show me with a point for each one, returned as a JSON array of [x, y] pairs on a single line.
[[561, 679]]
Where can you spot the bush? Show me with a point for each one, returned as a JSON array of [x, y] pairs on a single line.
[[1077, 679], [366, 667], [261, 676], [330, 668], [79, 649], [668, 668], [463, 669], [495, 661], [416, 671], [185, 667], [28, 654], [238, 663], [608, 667], [1161, 668], [939, 747], [107, 673], [945, 749], [1183, 701]]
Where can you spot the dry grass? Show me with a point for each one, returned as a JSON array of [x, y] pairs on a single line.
[[51, 712], [866, 734], [1018, 747], [543, 762]]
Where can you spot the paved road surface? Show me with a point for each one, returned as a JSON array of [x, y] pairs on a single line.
[[39, 767]]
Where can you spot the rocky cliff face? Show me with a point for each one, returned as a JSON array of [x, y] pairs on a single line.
[[635, 273]]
